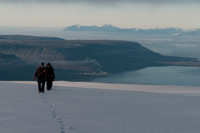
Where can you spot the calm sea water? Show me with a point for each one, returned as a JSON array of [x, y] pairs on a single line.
[[170, 75]]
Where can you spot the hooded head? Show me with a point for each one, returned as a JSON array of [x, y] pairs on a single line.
[[48, 65], [42, 64]]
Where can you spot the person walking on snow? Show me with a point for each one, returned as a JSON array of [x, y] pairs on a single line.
[[50, 76], [40, 75]]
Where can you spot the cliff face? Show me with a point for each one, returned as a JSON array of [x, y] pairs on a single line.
[[30, 53], [80, 59], [31, 49]]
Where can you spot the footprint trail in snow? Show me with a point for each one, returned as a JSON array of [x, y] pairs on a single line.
[[62, 126]]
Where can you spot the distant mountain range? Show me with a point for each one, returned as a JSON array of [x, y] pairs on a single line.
[[76, 60], [111, 28]]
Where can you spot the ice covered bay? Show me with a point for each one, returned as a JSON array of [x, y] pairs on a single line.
[[82, 107]]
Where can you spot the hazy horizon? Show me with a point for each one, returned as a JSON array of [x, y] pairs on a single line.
[[62, 27]]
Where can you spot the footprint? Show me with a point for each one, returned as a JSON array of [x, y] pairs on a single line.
[[55, 116], [62, 132]]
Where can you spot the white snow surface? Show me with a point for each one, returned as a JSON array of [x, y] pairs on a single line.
[[87, 107]]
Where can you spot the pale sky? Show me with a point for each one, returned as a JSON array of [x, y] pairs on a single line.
[[121, 13]]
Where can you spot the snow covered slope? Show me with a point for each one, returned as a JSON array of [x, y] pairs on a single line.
[[81, 107]]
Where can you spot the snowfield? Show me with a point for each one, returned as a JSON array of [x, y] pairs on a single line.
[[86, 107]]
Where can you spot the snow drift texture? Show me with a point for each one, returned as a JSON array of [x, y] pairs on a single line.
[[73, 107]]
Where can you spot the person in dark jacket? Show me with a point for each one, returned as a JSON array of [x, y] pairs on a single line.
[[40, 75], [50, 76]]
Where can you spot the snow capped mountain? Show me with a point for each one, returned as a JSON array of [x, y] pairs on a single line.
[[104, 28], [111, 28], [81, 28]]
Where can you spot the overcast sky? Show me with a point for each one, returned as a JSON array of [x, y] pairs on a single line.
[[121, 13]]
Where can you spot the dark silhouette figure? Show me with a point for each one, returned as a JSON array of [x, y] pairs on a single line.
[[50, 76], [40, 75]]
